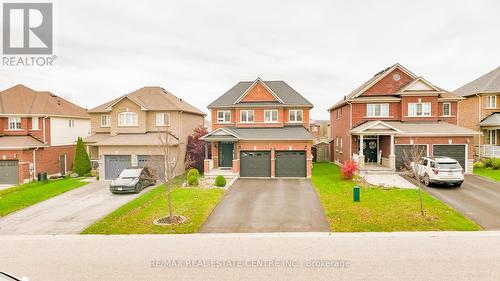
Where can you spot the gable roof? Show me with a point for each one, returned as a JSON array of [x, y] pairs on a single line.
[[258, 80], [21, 100], [416, 85], [260, 134], [440, 128], [488, 83], [284, 93], [151, 98], [491, 120]]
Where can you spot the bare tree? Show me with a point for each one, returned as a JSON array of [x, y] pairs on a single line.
[[411, 162]]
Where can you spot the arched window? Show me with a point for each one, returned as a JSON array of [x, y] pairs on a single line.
[[127, 119]]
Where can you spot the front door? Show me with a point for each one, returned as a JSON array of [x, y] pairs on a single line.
[[370, 150], [226, 154]]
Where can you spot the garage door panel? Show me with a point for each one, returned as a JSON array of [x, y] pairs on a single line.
[[454, 151], [114, 164], [153, 161], [9, 172], [291, 164], [255, 163], [400, 155]]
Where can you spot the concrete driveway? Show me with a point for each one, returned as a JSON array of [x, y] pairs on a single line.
[[68, 213], [478, 199], [268, 205]]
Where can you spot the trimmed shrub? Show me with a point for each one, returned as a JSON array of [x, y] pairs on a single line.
[[495, 163], [193, 172], [81, 162], [220, 181], [193, 180], [479, 164], [348, 170]]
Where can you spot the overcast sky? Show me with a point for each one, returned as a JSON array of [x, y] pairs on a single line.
[[197, 50]]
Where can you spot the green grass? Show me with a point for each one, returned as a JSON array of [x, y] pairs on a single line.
[[137, 216], [22, 196], [381, 209], [488, 173]]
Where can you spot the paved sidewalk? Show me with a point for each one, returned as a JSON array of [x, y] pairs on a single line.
[[388, 180], [417, 256], [68, 213]]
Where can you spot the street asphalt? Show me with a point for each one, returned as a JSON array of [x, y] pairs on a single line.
[[478, 198], [268, 205], [286, 256], [68, 213]]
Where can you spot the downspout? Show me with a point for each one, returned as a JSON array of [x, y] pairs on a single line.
[[43, 127], [34, 161], [350, 135]]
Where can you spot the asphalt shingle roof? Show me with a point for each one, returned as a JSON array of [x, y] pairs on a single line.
[[286, 93], [290, 133], [492, 120], [421, 128], [488, 83]]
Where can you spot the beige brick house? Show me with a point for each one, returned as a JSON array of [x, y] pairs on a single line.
[[126, 131], [480, 111]]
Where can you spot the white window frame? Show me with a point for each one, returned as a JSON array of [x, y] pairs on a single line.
[[107, 118], [71, 123], [14, 123], [247, 119], [371, 109], [341, 142], [492, 137], [449, 108], [223, 119], [414, 112], [272, 113], [491, 101], [162, 119], [34, 124], [134, 119], [295, 114]]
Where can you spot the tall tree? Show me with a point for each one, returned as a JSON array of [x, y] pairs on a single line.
[[81, 161], [412, 161]]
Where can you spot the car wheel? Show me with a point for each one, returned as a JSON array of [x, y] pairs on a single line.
[[458, 184], [138, 187], [426, 180]]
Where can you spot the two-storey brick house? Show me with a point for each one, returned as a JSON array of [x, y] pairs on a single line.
[[480, 111], [129, 131], [260, 129], [393, 112], [38, 131]]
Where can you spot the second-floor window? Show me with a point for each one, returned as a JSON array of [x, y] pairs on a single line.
[[271, 116], [491, 137], [127, 119], [422, 109], [71, 123], [105, 120], [296, 115], [162, 119], [15, 123], [491, 101], [446, 109], [223, 116], [246, 116], [377, 110], [34, 123]]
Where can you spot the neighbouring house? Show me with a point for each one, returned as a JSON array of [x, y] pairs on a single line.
[[480, 111], [260, 129], [395, 112], [38, 133], [126, 132]]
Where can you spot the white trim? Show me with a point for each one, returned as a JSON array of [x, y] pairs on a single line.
[[420, 78], [35, 120], [220, 129], [135, 124], [253, 85], [166, 115], [224, 116], [410, 114], [247, 110], [380, 105], [442, 109], [109, 120], [15, 122], [110, 107], [375, 124], [295, 121], [271, 115], [488, 102]]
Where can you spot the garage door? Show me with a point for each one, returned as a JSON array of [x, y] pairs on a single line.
[[255, 164], [400, 153], [454, 151], [114, 164], [153, 161], [290, 164], [9, 172]]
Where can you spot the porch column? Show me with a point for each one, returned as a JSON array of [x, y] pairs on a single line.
[[361, 156], [392, 156], [206, 150]]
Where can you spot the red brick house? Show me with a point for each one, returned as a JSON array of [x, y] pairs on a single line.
[[393, 112], [260, 129], [38, 131]]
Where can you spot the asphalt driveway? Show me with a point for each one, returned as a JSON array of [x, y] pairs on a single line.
[[478, 199], [68, 213], [268, 205]]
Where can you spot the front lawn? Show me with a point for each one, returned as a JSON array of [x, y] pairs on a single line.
[[137, 216], [488, 173], [22, 196], [381, 209]]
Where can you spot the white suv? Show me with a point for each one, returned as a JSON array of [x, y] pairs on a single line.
[[440, 170]]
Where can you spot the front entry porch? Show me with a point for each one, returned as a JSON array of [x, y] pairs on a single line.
[[374, 152]]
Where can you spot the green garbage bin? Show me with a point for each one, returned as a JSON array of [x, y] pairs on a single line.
[[356, 192]]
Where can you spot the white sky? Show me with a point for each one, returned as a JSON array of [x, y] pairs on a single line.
[[199, 49]]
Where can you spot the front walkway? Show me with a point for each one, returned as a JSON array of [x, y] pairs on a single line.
[[388, 180], [68, 213], [268, 205]]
